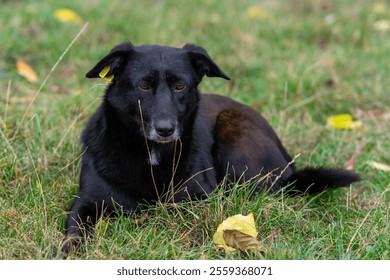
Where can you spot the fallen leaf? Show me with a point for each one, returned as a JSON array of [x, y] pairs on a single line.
[[351, 162], [26, 71], [375, 113], [379, 8], [22, 99], [244, 224], [241, 241], [67, 15], [258, 13], [245, 37], [57, 89], [330, 19], [343, 121], [379, 166], [382, 25]]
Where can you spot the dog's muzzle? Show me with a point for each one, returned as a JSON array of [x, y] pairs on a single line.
[[164, 131]]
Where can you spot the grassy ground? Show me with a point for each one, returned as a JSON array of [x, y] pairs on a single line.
[[296, 62]]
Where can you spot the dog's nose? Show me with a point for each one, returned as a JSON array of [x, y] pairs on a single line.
[[165, 128]]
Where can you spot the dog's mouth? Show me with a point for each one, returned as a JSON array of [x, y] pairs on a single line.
[[163, 132], [163, 139]]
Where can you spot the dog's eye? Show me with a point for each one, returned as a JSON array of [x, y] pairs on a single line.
[[144, 86], [179, 86]]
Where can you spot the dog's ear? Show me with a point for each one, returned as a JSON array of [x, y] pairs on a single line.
[[203, 63], [112, 63]]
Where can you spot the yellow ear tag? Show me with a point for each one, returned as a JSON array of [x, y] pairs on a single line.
[[104, 72]]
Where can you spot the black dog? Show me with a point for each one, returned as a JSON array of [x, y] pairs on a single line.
[[155, 138]]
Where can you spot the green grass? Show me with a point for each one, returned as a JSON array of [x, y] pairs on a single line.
[[308, 60]]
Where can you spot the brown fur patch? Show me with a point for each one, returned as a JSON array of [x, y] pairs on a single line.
[[230, 126]]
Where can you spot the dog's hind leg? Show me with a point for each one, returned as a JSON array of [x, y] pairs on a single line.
[[246, 149]]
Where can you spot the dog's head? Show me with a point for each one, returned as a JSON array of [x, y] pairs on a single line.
[[155, 87]]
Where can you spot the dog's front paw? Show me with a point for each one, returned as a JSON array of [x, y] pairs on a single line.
[[70, 243]]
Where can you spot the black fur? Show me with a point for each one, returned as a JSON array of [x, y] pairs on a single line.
[[315, 180], [155, 138]]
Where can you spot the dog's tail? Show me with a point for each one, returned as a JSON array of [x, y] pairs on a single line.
[[315, 180]]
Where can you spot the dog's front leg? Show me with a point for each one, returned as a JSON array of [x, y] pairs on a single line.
[[82, 218], [198, 186]]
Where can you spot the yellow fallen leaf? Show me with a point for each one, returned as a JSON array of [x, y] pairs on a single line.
[[382, 25], [26, 71], [20, 99], [379, 8], [343, 121], [258, 13], [379, 166], [241, 241], [244, 224], [67, 15]]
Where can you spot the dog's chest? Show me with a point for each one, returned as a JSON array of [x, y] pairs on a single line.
[[153, 158], [163, 155]]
